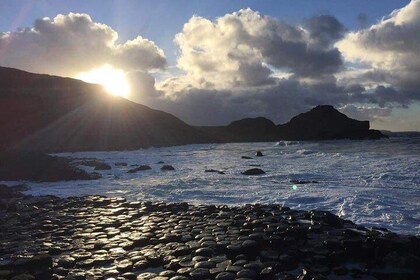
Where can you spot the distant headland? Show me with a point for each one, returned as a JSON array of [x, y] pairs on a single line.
[[54, 114]]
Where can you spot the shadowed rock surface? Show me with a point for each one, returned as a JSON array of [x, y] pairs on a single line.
[[99, 238], [36, 166]]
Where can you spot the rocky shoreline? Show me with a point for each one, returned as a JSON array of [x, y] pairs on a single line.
[[95, 237]]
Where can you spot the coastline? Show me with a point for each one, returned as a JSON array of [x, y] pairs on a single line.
[[95, 237]]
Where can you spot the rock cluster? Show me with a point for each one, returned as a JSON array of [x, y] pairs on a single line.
[[109, 238]]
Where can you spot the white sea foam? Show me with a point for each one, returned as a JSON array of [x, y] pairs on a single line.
[[374, 183]]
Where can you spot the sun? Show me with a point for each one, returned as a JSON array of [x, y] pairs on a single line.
[[113, 80]]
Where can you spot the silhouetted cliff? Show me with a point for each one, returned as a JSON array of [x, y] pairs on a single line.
[[324, 122], [49, 113], [55, 114], [245, 130], [321, 123]]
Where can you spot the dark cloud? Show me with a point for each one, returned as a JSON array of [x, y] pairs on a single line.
[[324, 30]]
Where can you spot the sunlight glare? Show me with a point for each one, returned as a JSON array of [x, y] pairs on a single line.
[[113, 80]]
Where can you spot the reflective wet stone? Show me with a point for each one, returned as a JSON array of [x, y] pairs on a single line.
[[146, 276], [199, 273], [225, 276]]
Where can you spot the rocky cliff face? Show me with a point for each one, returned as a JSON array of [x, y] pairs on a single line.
[[48, 113], [321, 123], [324, 122], [245, 130], [54, 114]]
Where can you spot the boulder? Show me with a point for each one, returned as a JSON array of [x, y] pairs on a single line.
[[300, 182], [253, 171], [214, 171], [167, 168], [97, 164], [259, 154], [37, 166], [140, 168]]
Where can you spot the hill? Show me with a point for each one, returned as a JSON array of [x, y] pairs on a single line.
[[55, 114], [321, 123]]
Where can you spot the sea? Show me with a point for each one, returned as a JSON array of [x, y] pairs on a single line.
[[374, 183]]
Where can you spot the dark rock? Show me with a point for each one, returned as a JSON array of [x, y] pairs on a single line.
[[140, 168], [225, 276], [253, 171], [324, 122], [247, 273], [214, 171], [36, 166], [300, 182], [98, 165], [167, 168], [267, 273], [246, 157], [200, 273], [259, 154]]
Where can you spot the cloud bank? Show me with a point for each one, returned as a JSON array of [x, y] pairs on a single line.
[[242, 64], [73, 43]]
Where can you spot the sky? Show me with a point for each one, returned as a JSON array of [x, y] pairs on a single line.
[[212, 62]]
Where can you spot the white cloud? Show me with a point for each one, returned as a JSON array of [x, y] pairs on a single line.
[[246, 49], [72, 43], [391, 48]]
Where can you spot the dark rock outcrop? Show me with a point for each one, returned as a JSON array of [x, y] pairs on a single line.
[[98, 165], [253, 171], [259, 154], [140, 168], [321, 123], [167, 168], [324, 123], [245, 130], [36, 166]]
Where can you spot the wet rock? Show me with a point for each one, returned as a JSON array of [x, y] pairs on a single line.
[[146, 276], [199, 273], [100, 238], [140, 168], [167, 168], [124, 266], [67, 261], [24, 276], [259, 154], [247, 273], [98, 165], [300, 182], [253, 171], [225, 276], [246, 157], [214, 171]]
